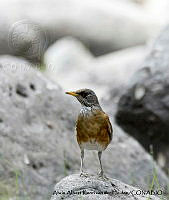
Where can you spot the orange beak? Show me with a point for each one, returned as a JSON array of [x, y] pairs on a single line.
[[72, 93]]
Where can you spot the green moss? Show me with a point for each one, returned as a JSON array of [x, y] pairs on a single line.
[[7, 190]]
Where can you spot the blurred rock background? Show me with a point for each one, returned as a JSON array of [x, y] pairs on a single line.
[[118, 48]]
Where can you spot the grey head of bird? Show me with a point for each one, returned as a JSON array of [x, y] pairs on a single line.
[[86, 97]]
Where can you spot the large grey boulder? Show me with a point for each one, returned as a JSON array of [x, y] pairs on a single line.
[[38, 144], [143, 109], [27, 29], [75, 187]]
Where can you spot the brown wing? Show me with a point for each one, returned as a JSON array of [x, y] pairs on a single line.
[[109, 127], [105, 131]]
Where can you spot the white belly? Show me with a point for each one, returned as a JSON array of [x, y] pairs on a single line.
[[92, 145]]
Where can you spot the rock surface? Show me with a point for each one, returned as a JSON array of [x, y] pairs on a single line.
[[102, 25], [143, 109], [66, 60], [38, 145], [70, 64], [75, 187]]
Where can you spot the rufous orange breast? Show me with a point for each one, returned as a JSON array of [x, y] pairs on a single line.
[[94, 130]]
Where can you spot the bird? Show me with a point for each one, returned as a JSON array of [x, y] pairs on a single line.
[[93, 127]]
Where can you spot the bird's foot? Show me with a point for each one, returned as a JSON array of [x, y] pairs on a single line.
[[102, 175], [83, 174]]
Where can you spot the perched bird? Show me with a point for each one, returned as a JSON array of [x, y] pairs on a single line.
[[93, 128]]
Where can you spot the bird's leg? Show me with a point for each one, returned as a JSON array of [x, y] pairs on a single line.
[[101, 168], [82, 164]]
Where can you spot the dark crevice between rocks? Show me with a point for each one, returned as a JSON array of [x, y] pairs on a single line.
[[113, 185], [10, 91], [21, 90], [37, 166], [32, 86]]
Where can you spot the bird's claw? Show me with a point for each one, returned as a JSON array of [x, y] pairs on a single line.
[[102, 175], [83, 174]]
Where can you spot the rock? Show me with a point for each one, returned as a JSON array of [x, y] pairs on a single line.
[[154, 7], [115, 69], [139, 2], [143, 109], [67, 55], [70, 56], [22, 37], [75, 187], [104, 26], [38, 144]]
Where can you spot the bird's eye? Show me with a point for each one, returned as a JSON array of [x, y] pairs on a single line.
[[84, 94]]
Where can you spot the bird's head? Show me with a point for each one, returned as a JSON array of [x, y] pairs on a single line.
[[86, 97]]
